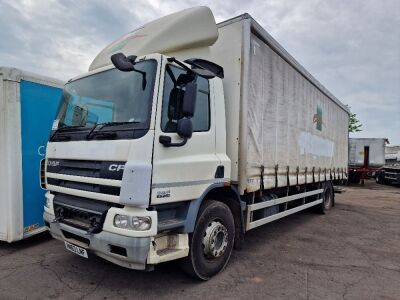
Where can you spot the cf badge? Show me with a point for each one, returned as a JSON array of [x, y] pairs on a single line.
[[115, 167]]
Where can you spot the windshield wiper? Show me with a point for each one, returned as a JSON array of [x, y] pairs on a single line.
[[107, 124], [62, 128]]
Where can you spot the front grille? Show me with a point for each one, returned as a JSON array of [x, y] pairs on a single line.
[[81, 213], [83, 186], [85, 168], [42, 174]]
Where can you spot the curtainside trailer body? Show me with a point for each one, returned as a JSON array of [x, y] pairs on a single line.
[[281, 119], [283, 127]]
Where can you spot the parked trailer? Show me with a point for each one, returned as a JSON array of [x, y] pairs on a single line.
[[28, 104], [210, 148], [366, 156], [390, 172]]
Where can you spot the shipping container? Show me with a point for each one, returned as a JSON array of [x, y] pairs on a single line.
[[28, 104]]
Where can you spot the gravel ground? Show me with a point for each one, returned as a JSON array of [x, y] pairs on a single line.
[[353, 252]]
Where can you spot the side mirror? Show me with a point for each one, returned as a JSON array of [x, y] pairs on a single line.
[[185, 128], [189, 100], [123, 63]]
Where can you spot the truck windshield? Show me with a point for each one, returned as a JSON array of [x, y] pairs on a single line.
[[112, 96]]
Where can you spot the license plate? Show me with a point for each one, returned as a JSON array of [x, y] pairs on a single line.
[[75, 249]]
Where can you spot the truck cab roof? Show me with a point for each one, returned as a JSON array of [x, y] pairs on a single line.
[[190, 28]]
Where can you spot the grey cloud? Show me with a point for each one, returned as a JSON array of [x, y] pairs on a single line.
[[59, 38], [352, 47]]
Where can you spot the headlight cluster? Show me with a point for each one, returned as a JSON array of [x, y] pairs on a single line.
[[133, 223]]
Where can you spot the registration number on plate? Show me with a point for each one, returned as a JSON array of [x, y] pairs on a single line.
[[75, 249]]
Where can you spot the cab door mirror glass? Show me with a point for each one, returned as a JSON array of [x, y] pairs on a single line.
[[189, 99], [185, 128]]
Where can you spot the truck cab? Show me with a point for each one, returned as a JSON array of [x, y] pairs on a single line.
[[117, 174]]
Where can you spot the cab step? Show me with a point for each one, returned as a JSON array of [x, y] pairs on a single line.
[[168, 247]]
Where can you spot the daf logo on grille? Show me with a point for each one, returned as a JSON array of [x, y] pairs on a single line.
[[53, 163], [115, 167]]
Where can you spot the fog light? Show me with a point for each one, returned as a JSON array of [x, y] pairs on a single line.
[[122, 221], [141, 223]]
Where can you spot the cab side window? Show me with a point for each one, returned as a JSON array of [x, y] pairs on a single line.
[[174, 88]]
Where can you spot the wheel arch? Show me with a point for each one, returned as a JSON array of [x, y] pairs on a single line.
[[218, 192]]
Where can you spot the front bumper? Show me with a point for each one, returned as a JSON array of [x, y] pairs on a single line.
[[104, 244]]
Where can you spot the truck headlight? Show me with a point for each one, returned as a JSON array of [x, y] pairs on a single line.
[[133, 223], [141, 223], [121, 221]]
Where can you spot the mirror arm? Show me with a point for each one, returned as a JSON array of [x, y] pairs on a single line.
[[183, 143], [195, 71], [144, 80], [173, 59], [166, 141]]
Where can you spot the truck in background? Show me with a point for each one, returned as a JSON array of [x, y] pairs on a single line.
[[366, 156], [28, 104], [184, 135], [390, 172]]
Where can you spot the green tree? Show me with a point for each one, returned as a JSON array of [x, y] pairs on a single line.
[[354, 124]]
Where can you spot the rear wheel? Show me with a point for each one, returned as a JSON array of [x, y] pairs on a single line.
[[212, 241], [327, 199]]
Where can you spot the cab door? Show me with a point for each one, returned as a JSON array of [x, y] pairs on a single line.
[[183, 172]]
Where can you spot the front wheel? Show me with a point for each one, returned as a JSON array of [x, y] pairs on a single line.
[[212, 241]]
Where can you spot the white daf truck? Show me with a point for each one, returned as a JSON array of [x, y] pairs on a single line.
[[185, 134]]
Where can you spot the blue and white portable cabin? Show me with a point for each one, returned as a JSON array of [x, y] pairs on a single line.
[[28, 104]]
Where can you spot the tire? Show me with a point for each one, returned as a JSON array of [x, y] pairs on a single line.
[[211, 243], [379, 178], [327, 199]]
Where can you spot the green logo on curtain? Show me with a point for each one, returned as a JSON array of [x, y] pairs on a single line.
[[317, 119]]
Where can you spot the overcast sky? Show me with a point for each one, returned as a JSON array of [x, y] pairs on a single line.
[[352, 46]]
